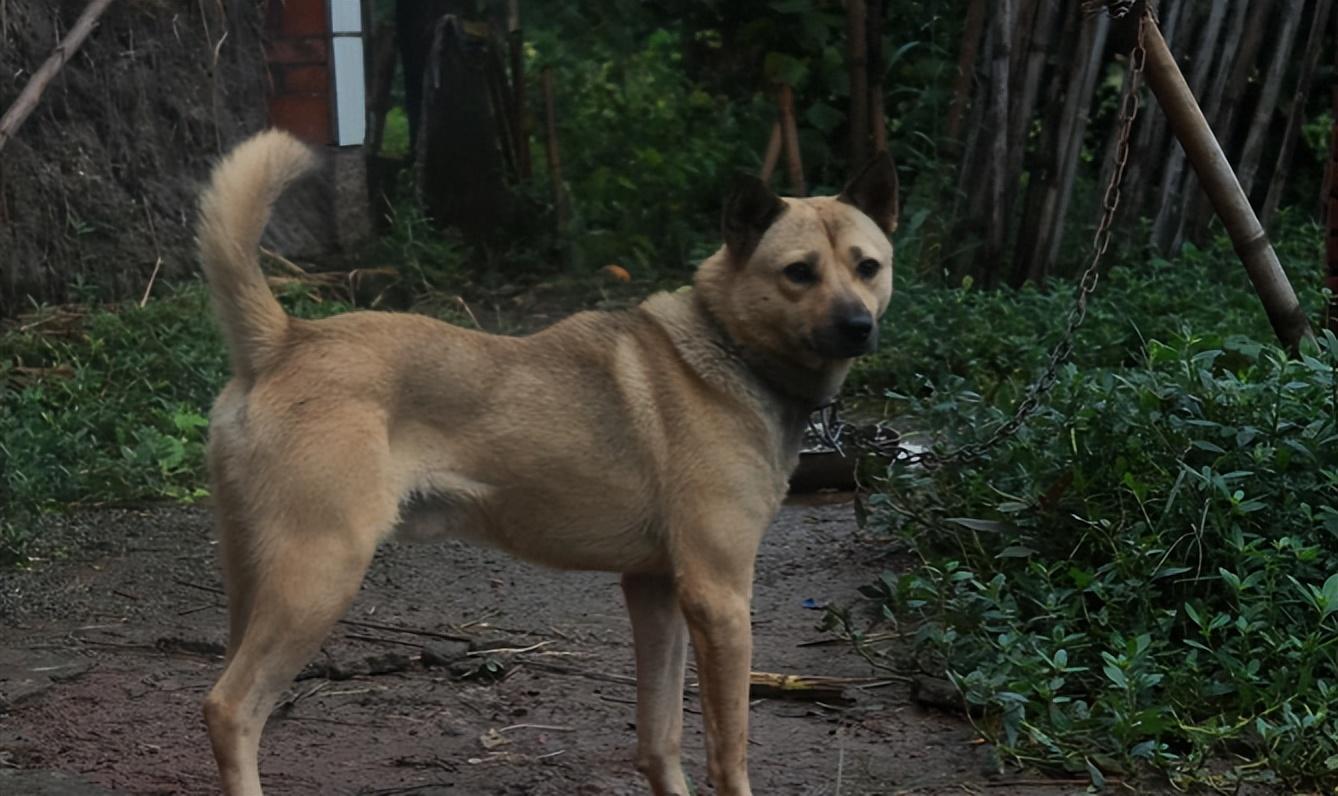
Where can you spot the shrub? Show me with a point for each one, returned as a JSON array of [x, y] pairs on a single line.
[[1144, 574]]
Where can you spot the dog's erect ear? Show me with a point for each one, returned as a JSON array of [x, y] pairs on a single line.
[[875, 192], [750, 209]]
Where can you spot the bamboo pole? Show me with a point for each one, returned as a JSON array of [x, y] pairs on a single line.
[[28, 98], [1228, 198], [1314, 45], [515, 40], [772, 156], [790, 136], [1261, 124], [857, 56], [972, 32], [554, 156]]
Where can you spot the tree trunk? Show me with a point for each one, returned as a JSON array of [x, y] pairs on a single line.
[[1314, 43], [1268, 96], [856, 51], [972, 33], [1167, 224]]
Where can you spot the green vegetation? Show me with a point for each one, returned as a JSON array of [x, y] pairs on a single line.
[[1144, 575]]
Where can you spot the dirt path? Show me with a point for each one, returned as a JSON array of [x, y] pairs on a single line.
[[113, 704]]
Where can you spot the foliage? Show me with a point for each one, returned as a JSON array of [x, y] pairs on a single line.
[[110, 409], [645, 152], [1144, 575]]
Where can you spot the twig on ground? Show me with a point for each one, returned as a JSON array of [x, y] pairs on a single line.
[[287, 264], [550, 727]]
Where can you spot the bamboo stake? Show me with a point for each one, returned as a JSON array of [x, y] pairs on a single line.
[[1268, 95], [1314, 43], [996, 229], [1227, 195], [28, 98], [772, 156], [515, 39], [790, 136], [972, 32], [1330, 204], [857, 52], [877, 105], [554, 157]]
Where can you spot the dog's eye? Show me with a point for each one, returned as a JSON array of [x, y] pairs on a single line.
[[868, 269], [801, 273]]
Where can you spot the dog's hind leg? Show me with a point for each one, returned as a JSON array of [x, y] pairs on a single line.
[[301, 582], [661, 639]]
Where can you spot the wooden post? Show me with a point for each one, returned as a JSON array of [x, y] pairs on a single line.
[[554, 157], [27, 100], [790, 136], [1228, 198]]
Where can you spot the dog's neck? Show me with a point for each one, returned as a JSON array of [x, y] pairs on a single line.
[[796, 389]]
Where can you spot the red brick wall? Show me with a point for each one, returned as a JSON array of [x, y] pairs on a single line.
[[297, 51]]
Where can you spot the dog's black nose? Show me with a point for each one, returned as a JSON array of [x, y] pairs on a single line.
[[856, 327]]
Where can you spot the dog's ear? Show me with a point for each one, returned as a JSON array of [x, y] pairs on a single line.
[[750, 209], [875, 192]]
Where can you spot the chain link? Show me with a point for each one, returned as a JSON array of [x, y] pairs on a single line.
[[829, 427]]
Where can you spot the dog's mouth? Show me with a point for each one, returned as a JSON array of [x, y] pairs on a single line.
[[839, 343]]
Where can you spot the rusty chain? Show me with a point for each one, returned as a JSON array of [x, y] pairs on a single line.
[[828, 425]]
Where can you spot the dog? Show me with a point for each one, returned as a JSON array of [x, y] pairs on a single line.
[[654, 442]]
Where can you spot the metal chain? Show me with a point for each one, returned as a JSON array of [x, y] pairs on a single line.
[[829, 428]]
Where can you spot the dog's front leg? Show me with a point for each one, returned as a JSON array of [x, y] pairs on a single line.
[[661, 641], [714, 581]]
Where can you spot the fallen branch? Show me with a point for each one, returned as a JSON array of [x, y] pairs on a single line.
[[23, 106]]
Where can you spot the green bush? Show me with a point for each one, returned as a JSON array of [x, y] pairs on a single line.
[[1144, 574], [110, 409]]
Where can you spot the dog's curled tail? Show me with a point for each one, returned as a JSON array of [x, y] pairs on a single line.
[[233, 212]]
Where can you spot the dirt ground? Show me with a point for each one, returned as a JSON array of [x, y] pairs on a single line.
[[106, 654]]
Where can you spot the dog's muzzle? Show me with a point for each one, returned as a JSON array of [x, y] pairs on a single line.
[[851, 333]]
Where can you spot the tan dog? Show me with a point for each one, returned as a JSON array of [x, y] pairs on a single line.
[[654, 442]]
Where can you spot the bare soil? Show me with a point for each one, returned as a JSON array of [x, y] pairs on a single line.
[[108, 651]]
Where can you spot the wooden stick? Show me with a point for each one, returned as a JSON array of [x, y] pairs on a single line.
[[772, 157], [790, 135], [857, 61], [1228, 197], [28, 98], [554, 156]]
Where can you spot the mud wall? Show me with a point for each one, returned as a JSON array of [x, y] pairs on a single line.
[[99, 184]]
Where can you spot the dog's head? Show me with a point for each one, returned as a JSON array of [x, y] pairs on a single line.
[[806, 280]]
